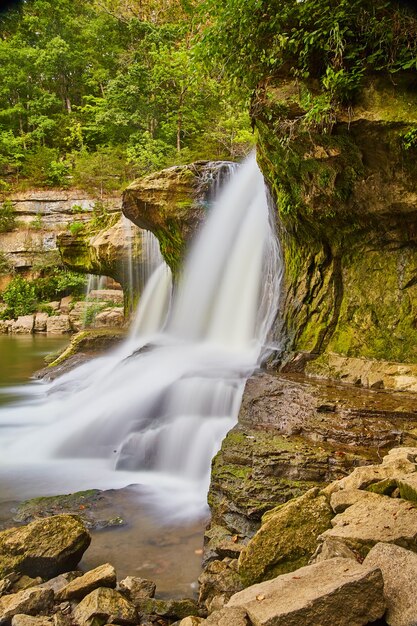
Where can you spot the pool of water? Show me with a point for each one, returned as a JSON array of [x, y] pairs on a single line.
[[149, 544]]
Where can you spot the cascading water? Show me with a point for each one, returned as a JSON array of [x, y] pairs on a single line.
[[156, 409]]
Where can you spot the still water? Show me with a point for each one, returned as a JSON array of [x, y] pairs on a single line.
[[20, 357], [146, 545]]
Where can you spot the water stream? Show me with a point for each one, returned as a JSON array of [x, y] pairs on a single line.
[[155, 410]]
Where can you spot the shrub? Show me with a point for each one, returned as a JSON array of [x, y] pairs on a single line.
[[75, 228], [20, 298]]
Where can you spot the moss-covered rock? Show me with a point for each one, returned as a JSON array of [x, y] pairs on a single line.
[[46, 547], [346, 198], [87, 342], [288, 538], [171, 203]]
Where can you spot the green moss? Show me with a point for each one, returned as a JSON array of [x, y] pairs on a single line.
[[383, 487], [89, 341], [287, 540]]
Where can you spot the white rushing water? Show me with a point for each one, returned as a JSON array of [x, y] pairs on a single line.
[[157, 408]]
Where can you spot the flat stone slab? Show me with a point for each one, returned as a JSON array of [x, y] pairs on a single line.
[[102, 576], [365, 523], [29, 602], [399, 571], [335, 592]]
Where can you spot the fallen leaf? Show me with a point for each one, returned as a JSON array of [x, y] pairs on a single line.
[[260, 597]]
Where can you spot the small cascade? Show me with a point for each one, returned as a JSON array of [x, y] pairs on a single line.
[[155, 299], [133, 280], [157, 408]]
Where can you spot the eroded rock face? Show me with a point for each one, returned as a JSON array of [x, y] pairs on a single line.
[[41, 216], [111, 251], [172, 203], [347, 203]]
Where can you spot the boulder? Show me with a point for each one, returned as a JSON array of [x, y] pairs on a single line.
[[46, 547], [41, 320], [32, 601], [102, 576], [5, 326], [336, 592], [112, 317], [288, 538], [58, 325], [64, 305], [136, 589], [105, 606], [365, 523], [59, 582], [399, 567], [23, 325]]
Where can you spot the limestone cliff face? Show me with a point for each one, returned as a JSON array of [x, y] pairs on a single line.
[[346, 194], [171, 204], [41, 215]]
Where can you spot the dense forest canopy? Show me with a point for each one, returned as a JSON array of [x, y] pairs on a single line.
[[94, 93], [104, 90]]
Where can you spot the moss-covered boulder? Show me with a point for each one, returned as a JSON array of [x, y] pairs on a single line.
[[46, 547], [346, 196], [288, 538]]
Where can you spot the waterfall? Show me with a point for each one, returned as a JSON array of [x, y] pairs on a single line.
[[157, 408]]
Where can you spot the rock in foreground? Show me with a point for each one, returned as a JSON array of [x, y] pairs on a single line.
[[45, 548], [335, 592]]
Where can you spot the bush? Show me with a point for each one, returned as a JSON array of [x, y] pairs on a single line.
[[20, 298], [75, 228], [7, 217]]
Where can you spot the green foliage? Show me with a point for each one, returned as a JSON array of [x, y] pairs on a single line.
[[334, 41], [94, 94], [91, 312], [36, 223], [76, 228], [409, 140], [23, 296], [20, 298], [7, 217], [101, 216]]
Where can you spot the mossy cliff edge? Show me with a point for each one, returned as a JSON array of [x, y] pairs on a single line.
[[346, 196]]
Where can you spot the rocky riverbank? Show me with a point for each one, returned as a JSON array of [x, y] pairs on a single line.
[[351, 544]]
